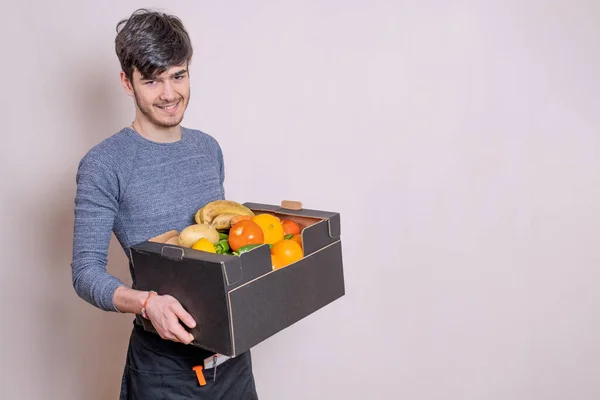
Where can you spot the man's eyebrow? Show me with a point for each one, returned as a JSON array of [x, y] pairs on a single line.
[[180, 72], [156, 77]]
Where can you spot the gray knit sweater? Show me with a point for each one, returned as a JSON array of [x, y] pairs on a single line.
[[137, 189]]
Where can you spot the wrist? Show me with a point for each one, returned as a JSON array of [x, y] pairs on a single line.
[[144, 308]]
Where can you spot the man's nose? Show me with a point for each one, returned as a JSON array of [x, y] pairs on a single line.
[[167, 91]]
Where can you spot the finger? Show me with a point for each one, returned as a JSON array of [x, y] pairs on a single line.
[[183, 315], [181, 334]]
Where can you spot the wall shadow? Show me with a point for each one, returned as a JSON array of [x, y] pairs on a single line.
[[87, 345]]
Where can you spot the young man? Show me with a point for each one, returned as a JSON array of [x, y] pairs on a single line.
[[142, 181]]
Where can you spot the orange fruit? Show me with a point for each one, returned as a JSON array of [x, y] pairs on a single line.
[[290, 226], [204, 245], [245, 232], [297, 239], [277, 262], [285, 252], [271, 227]]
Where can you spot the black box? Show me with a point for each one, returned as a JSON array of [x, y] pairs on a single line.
[[238, 302]]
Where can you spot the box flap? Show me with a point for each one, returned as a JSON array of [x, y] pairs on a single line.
[[233, 271], [183, 278], [265, 306], [305, 212], [254, 263], [333, 218]]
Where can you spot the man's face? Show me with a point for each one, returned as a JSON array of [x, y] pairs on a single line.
[[161, 99]]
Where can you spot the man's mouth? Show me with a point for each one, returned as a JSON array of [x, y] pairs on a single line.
[[169, 106]]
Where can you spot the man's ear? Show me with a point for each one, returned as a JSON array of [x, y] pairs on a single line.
[[127, 84]]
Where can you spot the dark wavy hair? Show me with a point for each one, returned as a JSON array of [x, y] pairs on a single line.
[[152, 42]]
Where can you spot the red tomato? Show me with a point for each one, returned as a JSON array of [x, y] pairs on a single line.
[[245, 232]]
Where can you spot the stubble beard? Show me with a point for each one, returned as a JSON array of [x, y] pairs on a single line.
[[148, 112]]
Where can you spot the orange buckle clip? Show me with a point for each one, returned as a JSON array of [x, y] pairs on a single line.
[[199, 375]]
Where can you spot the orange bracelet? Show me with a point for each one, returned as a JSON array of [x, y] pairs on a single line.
[[152, 293]]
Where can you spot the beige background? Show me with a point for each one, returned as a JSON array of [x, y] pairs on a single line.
[[459, 140]]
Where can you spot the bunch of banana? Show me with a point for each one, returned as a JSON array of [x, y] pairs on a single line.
[[222, 214]]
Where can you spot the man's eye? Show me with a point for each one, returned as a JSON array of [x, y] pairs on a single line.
[[149, 82]]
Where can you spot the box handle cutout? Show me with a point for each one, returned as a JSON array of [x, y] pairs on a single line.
[[174, 253], [291, 205]]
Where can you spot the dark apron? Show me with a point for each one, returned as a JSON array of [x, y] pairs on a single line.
[[161, 369]]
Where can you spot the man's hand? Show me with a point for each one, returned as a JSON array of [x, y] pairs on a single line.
[[165, 312]]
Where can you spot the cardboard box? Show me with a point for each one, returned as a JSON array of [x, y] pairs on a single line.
[[238, 302]]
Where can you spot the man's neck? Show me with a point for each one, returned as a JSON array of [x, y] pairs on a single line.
[[157, 133]]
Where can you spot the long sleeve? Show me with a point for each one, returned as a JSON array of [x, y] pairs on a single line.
[[221, 164], [96, 206]]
